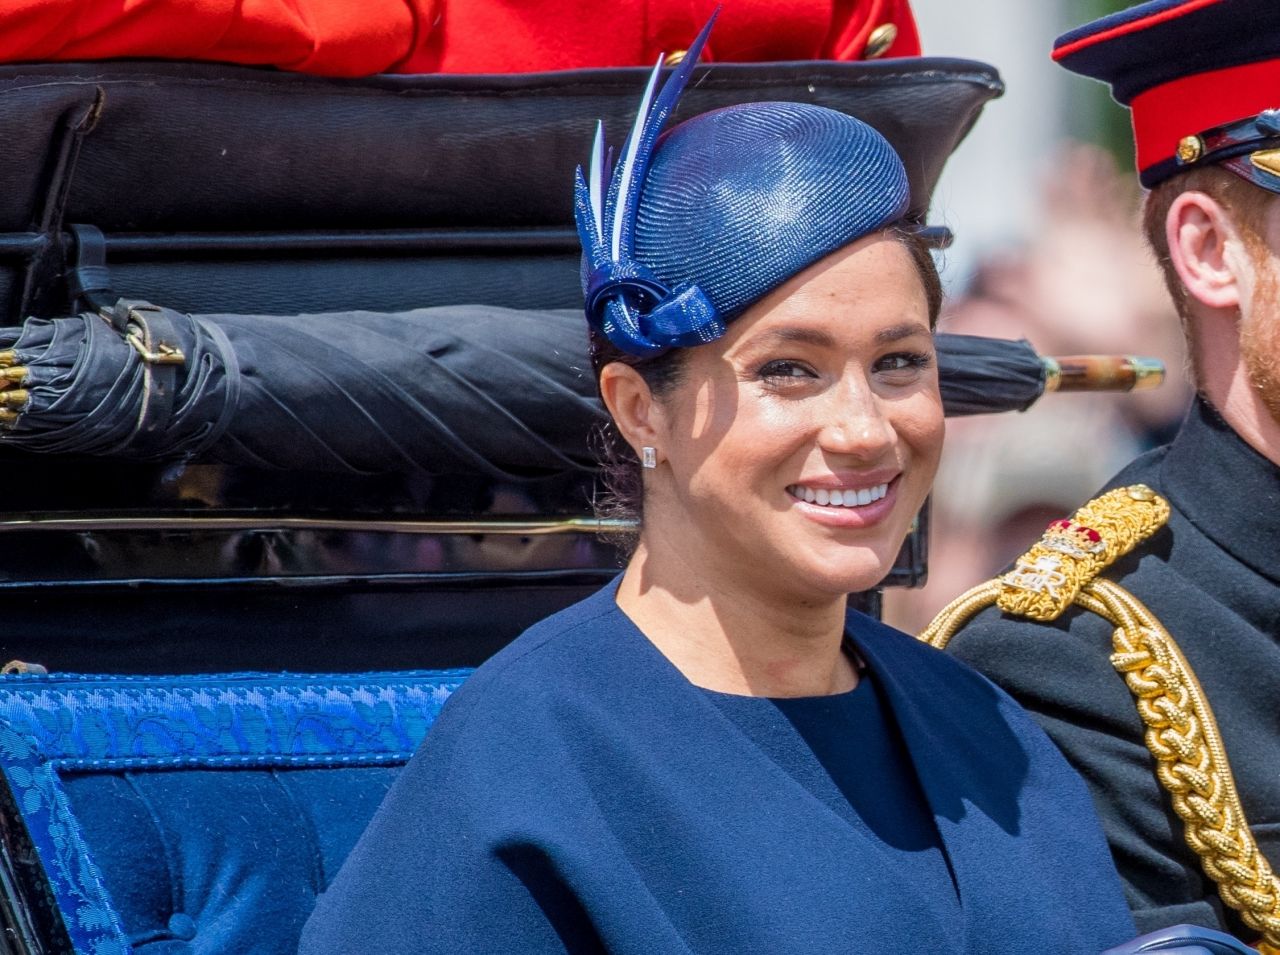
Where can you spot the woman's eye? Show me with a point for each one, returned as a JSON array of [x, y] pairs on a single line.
[[904, 362], [785, 370]]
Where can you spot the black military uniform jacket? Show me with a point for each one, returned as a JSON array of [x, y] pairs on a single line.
[[1212, 576]]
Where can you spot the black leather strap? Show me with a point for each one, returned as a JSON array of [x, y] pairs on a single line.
[[151, 332], [88, 279]]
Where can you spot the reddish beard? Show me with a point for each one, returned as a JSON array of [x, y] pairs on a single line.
[[1260, 335]]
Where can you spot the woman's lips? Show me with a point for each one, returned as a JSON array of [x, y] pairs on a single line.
[[847, 505]]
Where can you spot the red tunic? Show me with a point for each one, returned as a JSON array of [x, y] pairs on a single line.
[[494, 36], [350, 38]]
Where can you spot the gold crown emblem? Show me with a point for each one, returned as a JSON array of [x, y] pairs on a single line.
[[1075, 540]]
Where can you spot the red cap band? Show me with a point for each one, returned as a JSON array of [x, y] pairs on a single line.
[[1164, 114]]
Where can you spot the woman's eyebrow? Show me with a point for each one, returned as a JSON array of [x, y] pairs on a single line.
[[808, 336], [824, 339], [895, 333]]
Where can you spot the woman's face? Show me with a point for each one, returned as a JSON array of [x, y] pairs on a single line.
[[797, 449]]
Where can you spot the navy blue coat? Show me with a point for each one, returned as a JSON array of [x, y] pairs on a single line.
[[1212, 576], [579, 795]]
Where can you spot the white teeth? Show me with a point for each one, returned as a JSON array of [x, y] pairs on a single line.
[[848, 497]]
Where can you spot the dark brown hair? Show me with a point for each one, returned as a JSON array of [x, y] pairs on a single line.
[[623, 495]]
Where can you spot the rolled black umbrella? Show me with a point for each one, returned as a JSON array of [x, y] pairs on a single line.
[[465, 389], [981, 375], [984, 375], [452, 390]]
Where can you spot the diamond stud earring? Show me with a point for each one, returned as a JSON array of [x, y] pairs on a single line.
[[649, 457]]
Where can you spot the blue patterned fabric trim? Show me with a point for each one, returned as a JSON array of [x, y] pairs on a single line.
[[61, 723], [92, 722], [92, 923]]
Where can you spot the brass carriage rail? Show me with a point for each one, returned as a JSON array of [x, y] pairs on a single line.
[[511, 527], [130, 246]]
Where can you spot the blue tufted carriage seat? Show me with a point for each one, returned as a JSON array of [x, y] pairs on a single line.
[[194, 814]]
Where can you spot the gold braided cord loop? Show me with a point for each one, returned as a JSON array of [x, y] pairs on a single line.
[[1181, 732], [959, 612], [1191, 761]]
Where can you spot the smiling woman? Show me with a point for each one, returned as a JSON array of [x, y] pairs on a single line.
[[712, 754], [661, 372]]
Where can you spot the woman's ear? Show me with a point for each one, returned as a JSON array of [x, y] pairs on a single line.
[[631, 403], [1206, 250]]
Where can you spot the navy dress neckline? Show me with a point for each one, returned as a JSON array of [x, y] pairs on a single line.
[[847, 750]]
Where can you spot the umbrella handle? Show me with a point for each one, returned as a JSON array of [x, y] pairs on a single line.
[[1101, 373]]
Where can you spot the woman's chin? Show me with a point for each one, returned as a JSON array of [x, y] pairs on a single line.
[[843, 576], [835, 567]]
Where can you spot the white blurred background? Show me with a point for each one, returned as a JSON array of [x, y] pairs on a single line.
[[988, 194]]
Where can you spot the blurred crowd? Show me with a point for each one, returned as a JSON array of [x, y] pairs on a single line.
[[1085, 283]]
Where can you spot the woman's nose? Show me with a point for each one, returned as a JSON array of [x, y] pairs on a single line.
[[855, 425]]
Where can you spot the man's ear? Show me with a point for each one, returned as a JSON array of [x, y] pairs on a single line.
[[1206, 249], [632, 405]]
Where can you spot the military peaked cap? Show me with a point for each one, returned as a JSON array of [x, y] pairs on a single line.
[[1200, 77]]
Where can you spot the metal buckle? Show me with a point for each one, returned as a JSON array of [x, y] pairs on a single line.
[[164, 353], [138, 334]]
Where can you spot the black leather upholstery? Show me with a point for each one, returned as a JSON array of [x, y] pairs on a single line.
[[151, 152]]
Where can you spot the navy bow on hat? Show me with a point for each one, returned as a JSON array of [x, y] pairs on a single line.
[[686, 232]]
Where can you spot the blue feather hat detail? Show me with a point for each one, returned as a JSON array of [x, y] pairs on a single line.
[[688, 230]]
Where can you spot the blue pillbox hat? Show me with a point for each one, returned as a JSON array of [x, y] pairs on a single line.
[[688, 230]]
